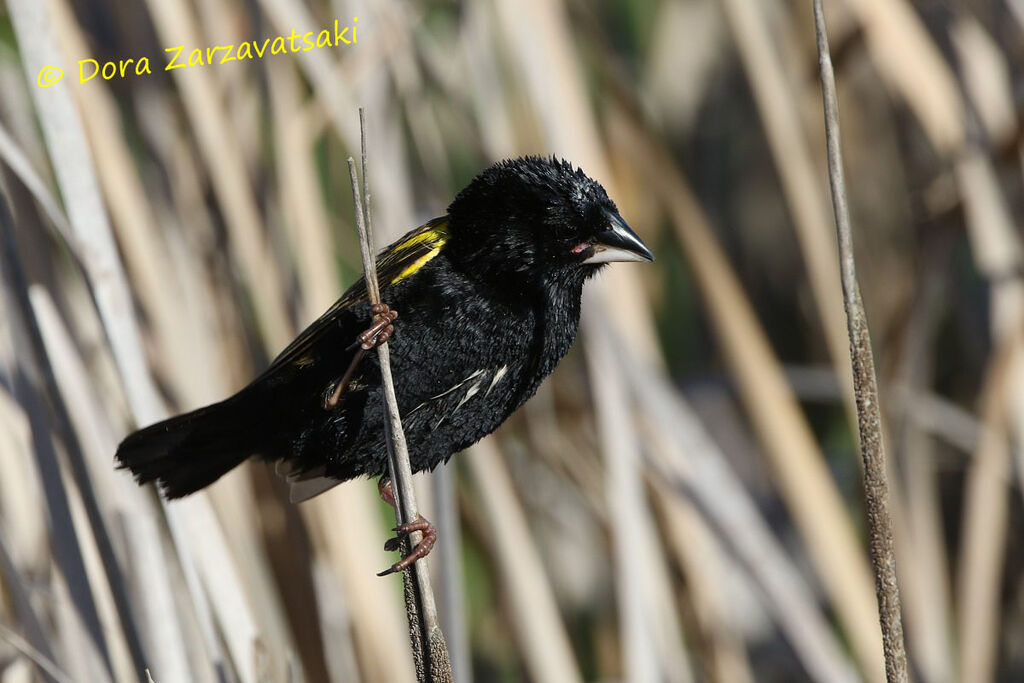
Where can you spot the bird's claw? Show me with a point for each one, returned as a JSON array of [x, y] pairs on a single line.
[[381, 329], [422, 548]]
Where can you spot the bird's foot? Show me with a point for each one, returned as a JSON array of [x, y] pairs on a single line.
[[375, 335], [422, 548], [381, 329]]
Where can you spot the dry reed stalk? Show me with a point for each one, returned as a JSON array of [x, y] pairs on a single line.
[[872, 447], [985, 522], [924, 568], [176, 25], [777, 104], [943, 419], [428, 642], [335, 93], [153, 280], [626, 502], [38, 656], [671, 644], [912, 64], [424, 128], [80, 606], [488, 96], [223, 583], [719, 643], [690, 540], [451, 579], [379, 635], [16, 111], [987, 79], [218, 23], [340, 658], [998, 253], [792, 153], [686, 459], [149, 571], [985, 511], [20, 490], [15, 158], [204, 381], [32, 626], [255, 605], [39, 437], [65, 140], [204, 286], [543, 640], [298, 124], [375, 613], [797, 463], [123, 667], [373, 608], [67, 148], [79, 657], [95, 436], [258, 611]]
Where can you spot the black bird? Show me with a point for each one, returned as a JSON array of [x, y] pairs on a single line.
[[489, 296]]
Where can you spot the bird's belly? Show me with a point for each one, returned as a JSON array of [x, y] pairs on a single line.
[[456, 382], [447, 422]]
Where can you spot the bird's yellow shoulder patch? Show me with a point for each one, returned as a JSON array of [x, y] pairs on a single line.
[[416, 265], [426, 243], [429, 234]]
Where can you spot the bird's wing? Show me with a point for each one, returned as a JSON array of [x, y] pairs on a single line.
[[398, 261]]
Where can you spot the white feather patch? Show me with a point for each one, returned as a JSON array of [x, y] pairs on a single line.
[[497, 378]]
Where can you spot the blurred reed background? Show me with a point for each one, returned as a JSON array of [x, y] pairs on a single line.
[[682, 500]]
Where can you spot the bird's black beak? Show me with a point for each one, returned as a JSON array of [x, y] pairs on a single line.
[[618, 243]]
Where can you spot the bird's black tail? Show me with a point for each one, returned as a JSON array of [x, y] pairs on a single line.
[[186, 453]]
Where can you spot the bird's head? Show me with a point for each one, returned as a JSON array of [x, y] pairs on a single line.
[[539, 220]]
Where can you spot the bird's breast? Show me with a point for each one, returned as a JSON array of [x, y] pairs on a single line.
[[459, 339]]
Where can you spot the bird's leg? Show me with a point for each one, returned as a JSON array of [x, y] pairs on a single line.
[[420, 524], [375, 335], [384, 490]]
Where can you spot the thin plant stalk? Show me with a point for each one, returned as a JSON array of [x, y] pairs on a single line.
[[685, 457], [535, 619], [94, 244], [67, 548], [436, 665], [876, 488], [798, 465], [626, 502], [449, 544], [40, 658]]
